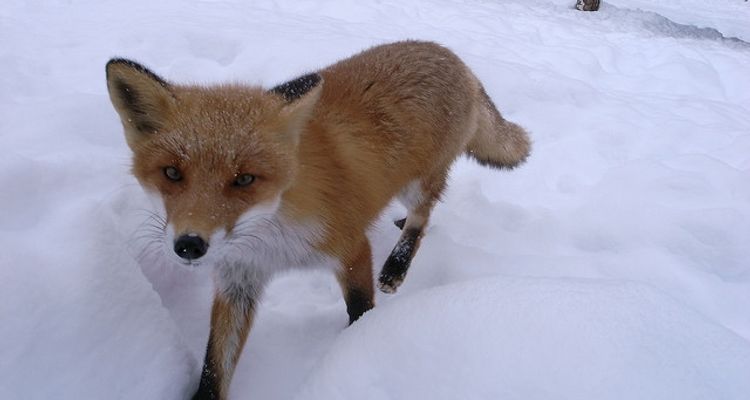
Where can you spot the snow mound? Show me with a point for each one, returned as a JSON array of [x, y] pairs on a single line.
[[727, 16], [521, 338], [80, 320]]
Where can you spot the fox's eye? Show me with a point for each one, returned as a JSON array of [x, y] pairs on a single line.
[[243, 180], [172, 173]]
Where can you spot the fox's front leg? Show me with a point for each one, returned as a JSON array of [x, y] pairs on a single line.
[[231, 319], [355, 279]]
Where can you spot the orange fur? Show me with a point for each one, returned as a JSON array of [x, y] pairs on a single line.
[[332, 151]]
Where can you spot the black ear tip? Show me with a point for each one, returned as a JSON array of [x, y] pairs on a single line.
[[298, 87], [117, 60], [134, 66], [315, 78], [124, 62]]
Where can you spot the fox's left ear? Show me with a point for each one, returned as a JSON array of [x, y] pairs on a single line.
[[144, 101], [300, 95]]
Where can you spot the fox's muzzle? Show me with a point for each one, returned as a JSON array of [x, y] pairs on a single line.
[[190, 246]]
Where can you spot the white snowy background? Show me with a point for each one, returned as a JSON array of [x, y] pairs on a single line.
[[615, 264]]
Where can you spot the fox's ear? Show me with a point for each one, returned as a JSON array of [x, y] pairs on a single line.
[[300, 95], [144, 100]]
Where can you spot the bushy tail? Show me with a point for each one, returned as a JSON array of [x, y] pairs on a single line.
[[497, 143]]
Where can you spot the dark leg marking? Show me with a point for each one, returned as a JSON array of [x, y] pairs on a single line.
[[400, 223], [398, 262], [209, 384], [357, 303], [231, 319]]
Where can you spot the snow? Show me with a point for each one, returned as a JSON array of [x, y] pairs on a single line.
[[613, 264], [727, 18], [564, 335]]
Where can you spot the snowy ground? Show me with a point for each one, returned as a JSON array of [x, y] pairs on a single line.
[[614, 264]]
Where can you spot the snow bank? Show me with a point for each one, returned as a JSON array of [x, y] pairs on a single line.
[[729, 18], [79, 319], [514, 338]]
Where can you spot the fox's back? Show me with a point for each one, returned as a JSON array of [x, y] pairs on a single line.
[[387, 118], [406, 99]]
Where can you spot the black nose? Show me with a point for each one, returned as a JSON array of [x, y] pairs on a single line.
[[190, 247]]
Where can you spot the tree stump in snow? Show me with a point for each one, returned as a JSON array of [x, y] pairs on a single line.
[[587, 5]]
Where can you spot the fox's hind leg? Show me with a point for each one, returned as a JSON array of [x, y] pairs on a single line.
[[419, 197], [355, 278]]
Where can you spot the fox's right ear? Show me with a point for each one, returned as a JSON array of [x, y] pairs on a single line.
[[144, 101]]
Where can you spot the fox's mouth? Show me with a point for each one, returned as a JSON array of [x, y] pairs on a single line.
[[187, 245], [191, 263], [184, 262]]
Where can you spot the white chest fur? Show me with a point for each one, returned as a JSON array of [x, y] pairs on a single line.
[[264, 244]]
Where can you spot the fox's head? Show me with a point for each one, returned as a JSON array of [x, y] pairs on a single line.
[[215, 155]]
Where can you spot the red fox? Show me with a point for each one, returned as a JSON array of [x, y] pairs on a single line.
[[255, 181]]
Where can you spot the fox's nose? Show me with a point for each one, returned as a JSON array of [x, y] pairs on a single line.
[[190, 247]]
